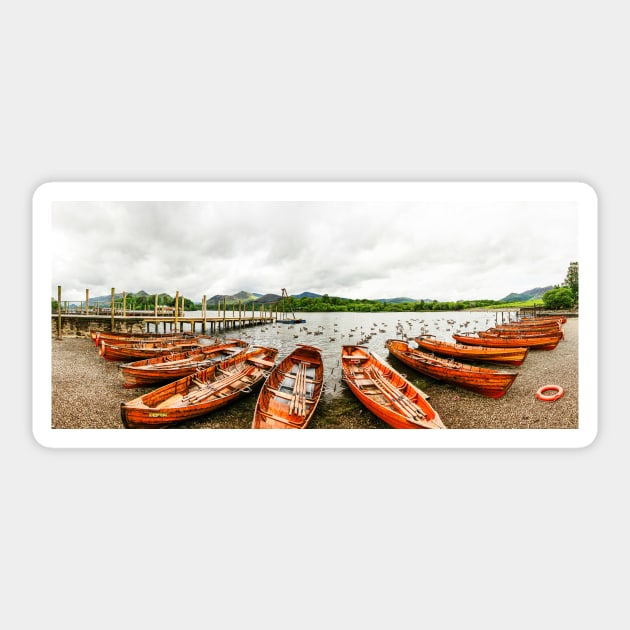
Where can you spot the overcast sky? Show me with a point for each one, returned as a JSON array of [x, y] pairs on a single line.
[[441, 251]]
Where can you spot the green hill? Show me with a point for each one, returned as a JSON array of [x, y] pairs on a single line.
[[532, 294]]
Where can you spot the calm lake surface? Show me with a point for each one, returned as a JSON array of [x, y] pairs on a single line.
[[330, 331]]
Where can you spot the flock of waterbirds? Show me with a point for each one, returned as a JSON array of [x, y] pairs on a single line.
[[403, 329], [359, 336]]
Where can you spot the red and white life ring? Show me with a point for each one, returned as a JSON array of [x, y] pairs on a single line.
[[558, 393]]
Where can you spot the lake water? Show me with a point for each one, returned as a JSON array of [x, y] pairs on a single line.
[[329, 331], [338, 407]]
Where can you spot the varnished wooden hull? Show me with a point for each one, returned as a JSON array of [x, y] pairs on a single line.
[[542, 341], [503, 356], [534, 343], [290, 394], [144, 349], [485, 381], [97, 336], [170, 367], [514, 328], [385, 392], [518, 334], [539, 320], [201, 393]]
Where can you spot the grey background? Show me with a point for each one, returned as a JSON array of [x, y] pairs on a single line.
[[318, 91]]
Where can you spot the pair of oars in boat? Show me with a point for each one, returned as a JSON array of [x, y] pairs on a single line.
[[298, 402], [393, 395], [207, 390]]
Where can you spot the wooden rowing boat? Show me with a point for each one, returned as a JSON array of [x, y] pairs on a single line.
[[385, 392], [290, 394], [172, 366], [145, 349], [555, 327], [485, 381], [518, 334], [535, 343], [201, 393], [119, 337], [538, 320], [503, 356]]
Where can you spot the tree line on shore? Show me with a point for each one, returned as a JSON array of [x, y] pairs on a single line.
[[563, 296], [325, 303]]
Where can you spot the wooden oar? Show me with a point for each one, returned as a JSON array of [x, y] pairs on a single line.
[[212, 388], [411, 411], [298, 404]]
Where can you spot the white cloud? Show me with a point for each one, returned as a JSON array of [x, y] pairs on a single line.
[[364, 250]]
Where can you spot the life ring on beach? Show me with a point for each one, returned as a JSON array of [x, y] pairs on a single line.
[[558, 393]]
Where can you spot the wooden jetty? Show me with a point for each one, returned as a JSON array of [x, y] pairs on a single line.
[[76, 319]]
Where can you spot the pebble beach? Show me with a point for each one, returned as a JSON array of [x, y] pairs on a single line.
[[87, 391]]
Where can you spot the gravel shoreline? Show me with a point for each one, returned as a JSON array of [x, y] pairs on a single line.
[[87, 392]]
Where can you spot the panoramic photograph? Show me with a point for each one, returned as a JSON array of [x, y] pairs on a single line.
[[314, 314]]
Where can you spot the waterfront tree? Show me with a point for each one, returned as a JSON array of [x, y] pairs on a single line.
[[572, 280], [561, 297]]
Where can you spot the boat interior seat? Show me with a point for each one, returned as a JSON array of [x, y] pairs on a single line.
[[261, 362], [354, 359]]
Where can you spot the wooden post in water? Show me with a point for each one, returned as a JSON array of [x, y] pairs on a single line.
[[224, 307], [203, 314], [176, 309], [124, 308], [155, 314], [112, 316], [59, 312], [87, 301]]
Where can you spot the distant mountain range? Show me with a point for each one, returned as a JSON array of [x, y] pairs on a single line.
[[243, 296], [118, 296], [532, 294], [272, 298], [307, 294]]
